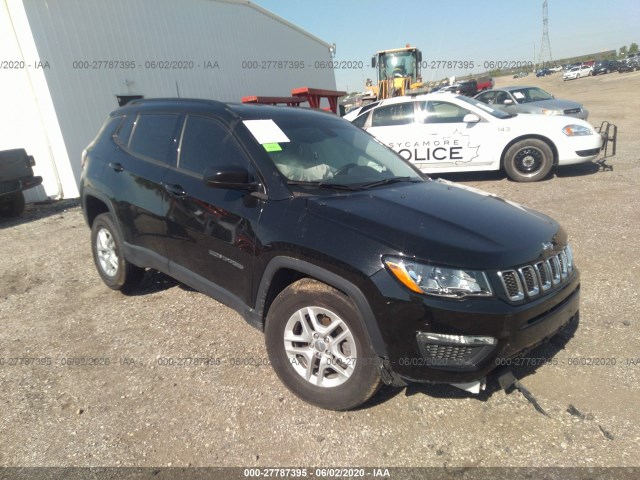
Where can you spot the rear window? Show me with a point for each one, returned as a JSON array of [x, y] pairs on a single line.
[[394, 114], [154, 136], [123, 134]]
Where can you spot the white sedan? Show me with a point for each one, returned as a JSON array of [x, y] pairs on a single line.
[[454, 133], [577, 72]]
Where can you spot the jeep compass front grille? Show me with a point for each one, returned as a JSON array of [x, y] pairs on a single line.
[[531, 281]]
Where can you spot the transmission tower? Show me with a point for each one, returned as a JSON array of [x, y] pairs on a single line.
[[545, 48]]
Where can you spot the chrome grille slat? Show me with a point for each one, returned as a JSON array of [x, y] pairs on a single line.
[[512, 284], [532, 280], [544, 275], [554, 265], [529, 280]]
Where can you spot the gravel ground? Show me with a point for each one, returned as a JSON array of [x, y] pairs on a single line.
[[135, 412]]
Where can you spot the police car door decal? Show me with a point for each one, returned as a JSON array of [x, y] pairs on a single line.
[[439, 139]]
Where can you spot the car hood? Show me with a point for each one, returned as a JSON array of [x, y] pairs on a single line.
[[549, 125], [555, 104], [440, 222]]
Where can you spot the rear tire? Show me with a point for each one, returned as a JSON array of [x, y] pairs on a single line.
[[108, 255], [13, 205], [528, 160], [319, 348]]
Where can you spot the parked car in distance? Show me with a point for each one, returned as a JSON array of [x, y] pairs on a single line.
[[531, 100], [577, 72], [467, 87], [543, 72], [605, 66], [359, 269], [484, 83], [629, 65], [16, 175], [520, 74], [447, 89], [453, 133]]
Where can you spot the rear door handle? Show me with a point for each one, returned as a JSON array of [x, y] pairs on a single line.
[[116, 167], [176, 190]]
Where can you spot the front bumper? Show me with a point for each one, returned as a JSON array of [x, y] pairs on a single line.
[[14, 186], [415, 354], [579, 149]]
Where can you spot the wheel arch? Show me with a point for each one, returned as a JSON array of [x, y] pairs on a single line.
[[546, 140], [283, 271], [94, 204]]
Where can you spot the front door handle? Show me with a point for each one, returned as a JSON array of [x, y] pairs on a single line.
[[116, 167], [176, 190]]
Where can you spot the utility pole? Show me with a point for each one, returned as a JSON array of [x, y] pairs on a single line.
[[545, 47]]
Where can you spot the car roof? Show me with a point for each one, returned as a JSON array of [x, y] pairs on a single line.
[[205, 106], [518, 87], [509, 89], [422, 97]]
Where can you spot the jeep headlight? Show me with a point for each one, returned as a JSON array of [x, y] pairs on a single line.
[[576, 131], [439, 281]]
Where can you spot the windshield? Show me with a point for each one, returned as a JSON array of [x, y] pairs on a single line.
[[397, 64], [486, 108], [530, 94], [329, 151]]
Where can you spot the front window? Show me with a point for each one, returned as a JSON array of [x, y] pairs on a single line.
[[442, 112], [530, 94], [397, 64], [486, 108], [333, 153], [206, 143], [487, 98]]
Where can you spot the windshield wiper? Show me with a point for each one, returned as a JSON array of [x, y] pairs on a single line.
[[389, 181], [335, 186], [339, 186]]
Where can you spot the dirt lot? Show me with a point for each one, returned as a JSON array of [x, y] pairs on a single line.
[[134, 411]]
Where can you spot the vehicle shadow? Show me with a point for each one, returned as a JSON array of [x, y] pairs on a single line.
[[152, 282], [155, 282], [528, 365], [469, 176], [583, 169], [40, 210], [578, 170]]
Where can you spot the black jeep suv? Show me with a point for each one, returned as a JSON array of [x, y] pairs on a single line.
[[359, 269]]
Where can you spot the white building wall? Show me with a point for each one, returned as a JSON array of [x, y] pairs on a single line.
[[205, 32], [28, 119]]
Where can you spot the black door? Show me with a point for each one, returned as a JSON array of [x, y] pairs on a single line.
[[211, 240], [147, 146]]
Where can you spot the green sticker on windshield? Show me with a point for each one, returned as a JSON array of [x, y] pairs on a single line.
[[272, 147]]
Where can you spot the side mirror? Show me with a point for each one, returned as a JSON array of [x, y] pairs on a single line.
[[230, 177], [373, 62], [471, 118], [419, 57], [508, 101]]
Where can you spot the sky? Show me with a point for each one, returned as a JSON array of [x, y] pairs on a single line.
[[463, 30]]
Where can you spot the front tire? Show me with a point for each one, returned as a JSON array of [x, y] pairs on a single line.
[[528, 160], [318, 346], [108, 255]]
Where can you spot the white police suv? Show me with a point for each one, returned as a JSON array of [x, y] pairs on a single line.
[[454, 133]]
